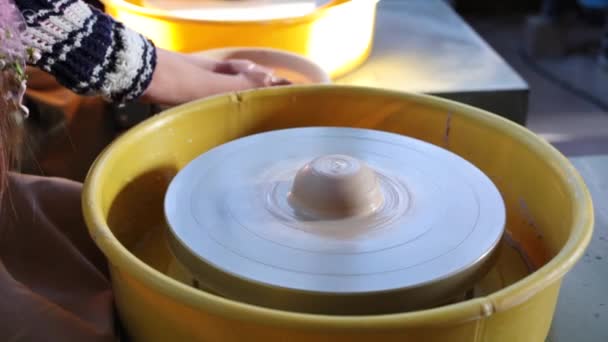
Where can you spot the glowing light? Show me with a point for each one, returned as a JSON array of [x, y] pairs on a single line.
[[233, 10], [338, 40], [337, 43]]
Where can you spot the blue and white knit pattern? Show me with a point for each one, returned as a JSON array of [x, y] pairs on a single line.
[[86, 50]]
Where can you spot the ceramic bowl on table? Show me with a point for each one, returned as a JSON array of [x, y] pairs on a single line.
[[297, 69]]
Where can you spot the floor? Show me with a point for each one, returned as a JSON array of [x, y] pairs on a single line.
[[568, 95], [569, 107], [582, 300]]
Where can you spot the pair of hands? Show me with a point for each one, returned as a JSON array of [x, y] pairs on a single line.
[[180, 78]]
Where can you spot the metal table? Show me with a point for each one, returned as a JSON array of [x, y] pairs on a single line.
[[582, 309], [424, 46]]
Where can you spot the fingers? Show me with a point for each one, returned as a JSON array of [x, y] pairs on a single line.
[[240, 66], [258, 75], [225, 67], [278, 81], [228, 67], [233, 67]]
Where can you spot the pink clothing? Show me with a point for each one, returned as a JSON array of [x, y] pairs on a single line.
[[53, 280]]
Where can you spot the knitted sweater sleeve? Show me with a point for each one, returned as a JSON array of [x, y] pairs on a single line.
[[86, 50]]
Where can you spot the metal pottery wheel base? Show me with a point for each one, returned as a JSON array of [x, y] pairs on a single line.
[[333, 221], [179, 272]]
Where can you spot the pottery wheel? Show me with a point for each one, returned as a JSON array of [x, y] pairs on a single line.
[[309, 219]]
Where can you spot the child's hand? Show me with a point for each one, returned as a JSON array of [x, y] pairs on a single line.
[[180, 78], [254, 72]]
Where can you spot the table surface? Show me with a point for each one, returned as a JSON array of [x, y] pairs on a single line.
[[424, 46], [582, 309]]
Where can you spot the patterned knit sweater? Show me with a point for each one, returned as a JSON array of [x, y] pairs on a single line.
[[86, 50]]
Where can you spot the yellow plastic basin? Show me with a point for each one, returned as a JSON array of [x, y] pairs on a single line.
[[549, 214], [338, 37]]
